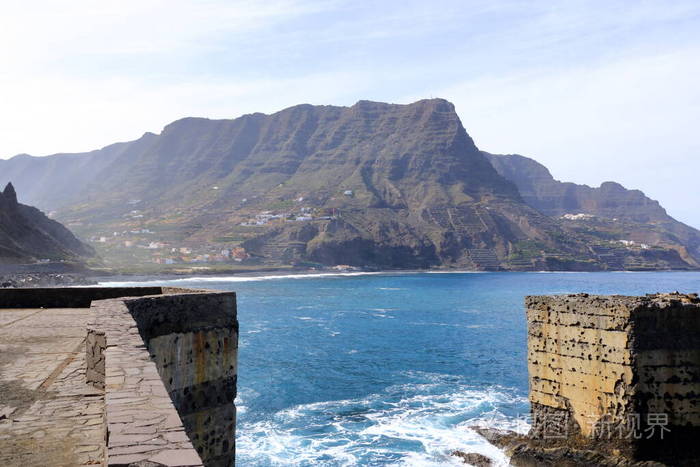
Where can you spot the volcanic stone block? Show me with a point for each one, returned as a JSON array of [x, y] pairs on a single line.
[[193, 340], [617, 370]]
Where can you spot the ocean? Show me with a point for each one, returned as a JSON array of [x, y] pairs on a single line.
[[390, 368]]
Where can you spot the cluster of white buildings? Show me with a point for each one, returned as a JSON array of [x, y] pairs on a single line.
[[267, 217], [578, 217], [633, 244]]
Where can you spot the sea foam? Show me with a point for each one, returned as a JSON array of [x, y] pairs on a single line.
[[405, 425]]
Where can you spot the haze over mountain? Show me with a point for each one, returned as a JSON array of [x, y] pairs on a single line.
[[375, 185], [643, 218], [27, 235]]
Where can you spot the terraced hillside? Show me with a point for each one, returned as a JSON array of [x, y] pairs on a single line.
[[373, 185]]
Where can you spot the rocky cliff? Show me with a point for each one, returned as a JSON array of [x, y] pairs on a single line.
[[373, 185], [540, 190], [608, 209], [27, 235]]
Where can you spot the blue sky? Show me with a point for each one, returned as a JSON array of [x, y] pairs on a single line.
[[595, 90]]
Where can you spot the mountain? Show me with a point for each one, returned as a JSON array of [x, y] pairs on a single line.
[[638, 217], [375, 185], [27, 235], [540, 190]]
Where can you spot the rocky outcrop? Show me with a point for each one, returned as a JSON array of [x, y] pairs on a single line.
[[613, 381], [526, 451], [473, 458], [27, 235]]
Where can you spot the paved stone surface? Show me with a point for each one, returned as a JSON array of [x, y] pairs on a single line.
[[142, 381], [142, 422], [48, 415]]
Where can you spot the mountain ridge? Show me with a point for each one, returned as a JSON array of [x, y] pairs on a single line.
[[374, 184], [539, 188], [610, 200]]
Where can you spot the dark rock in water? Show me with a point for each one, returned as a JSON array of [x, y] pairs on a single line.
[[473, 458], [569, 452], [499, 438], [43, 280]]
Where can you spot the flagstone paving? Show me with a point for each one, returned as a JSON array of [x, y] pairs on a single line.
[[80, 386], [48, 414]]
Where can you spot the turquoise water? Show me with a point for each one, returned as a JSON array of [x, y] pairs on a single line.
[[390, 369]]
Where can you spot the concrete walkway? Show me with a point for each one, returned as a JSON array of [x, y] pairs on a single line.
[[117, 376], [48, 414]]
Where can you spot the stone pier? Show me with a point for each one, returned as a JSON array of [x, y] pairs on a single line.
[[617, 374], [117, 376]]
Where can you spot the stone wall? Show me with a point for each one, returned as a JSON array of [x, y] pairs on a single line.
[[193, 340], [166, 361], [142, 424], [71, 297], [189, 341], [616, 370]]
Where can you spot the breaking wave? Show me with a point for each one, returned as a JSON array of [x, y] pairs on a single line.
[[409, 424], [238, 278]]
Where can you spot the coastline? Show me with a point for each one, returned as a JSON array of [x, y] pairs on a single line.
[[248, 276], [91, 277]]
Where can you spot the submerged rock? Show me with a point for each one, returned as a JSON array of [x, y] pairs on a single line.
[[43, 280], [524, 451], [473, 458]]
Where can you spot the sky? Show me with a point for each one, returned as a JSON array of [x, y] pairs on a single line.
[[595, 90]]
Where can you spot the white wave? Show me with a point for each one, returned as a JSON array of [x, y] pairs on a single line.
[[460, 271], [639, 272], [560, 272], [470, 311], [320, 275], [417, 430], [239, 278], [451, 325]]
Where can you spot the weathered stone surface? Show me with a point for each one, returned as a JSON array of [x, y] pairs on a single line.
[[616, 371], [95, 346], [82, 386], [51, 416], [185, 372]]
